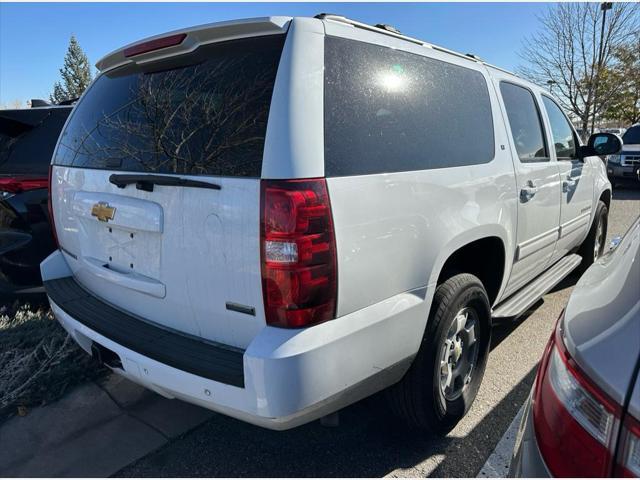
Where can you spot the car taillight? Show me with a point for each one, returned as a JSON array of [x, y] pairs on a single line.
[[9, 186], [50, 207], [628, 464], [299, 277], [575, 422]]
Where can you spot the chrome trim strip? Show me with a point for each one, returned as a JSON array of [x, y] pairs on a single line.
[[575, 224], [536, 243]]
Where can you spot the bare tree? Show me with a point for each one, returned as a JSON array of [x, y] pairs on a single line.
[[13, 105], [573, 49]]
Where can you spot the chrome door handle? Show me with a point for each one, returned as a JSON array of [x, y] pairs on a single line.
[[528, 191]]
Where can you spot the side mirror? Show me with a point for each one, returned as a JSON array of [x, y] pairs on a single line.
[[601, 144]]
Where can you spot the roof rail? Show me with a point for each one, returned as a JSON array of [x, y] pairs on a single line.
[[365, 26], [394, 32], [388, 28]]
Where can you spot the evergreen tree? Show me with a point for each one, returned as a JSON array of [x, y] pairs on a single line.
[[76, 74]]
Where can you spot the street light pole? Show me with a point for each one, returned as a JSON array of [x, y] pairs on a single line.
[[604, 6]]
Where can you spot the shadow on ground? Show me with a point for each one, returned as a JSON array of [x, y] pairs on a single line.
[[626, 192], [368, 443]]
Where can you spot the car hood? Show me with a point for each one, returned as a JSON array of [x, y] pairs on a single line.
[[631, 147], [602, 319]]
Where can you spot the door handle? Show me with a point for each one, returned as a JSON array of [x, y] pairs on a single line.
[[568, 183], [528, 191]]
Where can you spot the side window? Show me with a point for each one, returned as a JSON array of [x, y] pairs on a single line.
[[564, 140], [387, 110], [525, 123]]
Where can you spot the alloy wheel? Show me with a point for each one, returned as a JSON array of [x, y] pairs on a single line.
[[459, 354]]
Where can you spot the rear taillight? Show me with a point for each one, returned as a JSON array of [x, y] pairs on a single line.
[[299, 278], [575, 422], [50, 206], [9, 186], [628, 464]]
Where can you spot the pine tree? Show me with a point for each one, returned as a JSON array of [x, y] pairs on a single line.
[[76, 74]]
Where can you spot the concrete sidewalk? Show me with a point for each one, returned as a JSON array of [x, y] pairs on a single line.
[[93, 431]]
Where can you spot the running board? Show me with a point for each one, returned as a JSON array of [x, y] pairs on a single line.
[[519, 302]]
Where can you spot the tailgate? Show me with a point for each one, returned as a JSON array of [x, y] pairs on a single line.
[[178, 242]]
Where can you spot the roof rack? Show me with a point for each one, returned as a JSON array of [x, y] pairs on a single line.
[[385, 29]]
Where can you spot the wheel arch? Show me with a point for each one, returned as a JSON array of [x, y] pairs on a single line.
[[605, 196], [483, 254]]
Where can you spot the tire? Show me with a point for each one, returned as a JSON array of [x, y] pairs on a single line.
[[419, 397], [595, 238]]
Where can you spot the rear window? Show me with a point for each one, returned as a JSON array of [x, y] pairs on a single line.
[[203, 113], [27, 139], [387, 111]]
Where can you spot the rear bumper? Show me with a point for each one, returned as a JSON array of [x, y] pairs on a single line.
[[289, 377], [527, 460]]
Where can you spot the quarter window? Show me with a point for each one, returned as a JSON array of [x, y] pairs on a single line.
[[387, 110], [525, 123], [564, 140]]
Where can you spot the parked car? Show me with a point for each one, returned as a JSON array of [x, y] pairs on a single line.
[[616, 131], [274, 218], [624, 167], [27, 139], [582, 418]]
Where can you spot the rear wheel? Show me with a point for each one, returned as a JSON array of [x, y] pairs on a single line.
[[593, 246], [444, 378]]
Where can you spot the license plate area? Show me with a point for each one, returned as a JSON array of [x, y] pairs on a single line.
[[123, 250]]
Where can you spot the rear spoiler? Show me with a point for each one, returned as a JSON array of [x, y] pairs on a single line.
[[190, 39]]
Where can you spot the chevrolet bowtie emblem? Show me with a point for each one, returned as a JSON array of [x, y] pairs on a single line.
[[103, 212]]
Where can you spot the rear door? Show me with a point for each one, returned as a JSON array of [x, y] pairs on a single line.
[[156, 187], [576, 177], [537, 182]]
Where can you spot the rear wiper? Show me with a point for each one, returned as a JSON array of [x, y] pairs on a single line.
[[146, 182]]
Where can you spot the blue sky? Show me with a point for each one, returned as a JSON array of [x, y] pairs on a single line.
[[34, 37]]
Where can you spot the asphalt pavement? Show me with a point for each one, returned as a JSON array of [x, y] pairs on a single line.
[[369, 442]]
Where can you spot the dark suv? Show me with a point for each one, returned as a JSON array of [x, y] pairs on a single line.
[[27, 139], [624, 168]]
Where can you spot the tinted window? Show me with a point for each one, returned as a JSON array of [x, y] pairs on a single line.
[[525, 123], [201, 113], [563, 139], [388, 111], [27, 139], [632, 136]]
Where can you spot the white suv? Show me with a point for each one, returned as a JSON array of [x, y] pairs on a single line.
[[276, 217]]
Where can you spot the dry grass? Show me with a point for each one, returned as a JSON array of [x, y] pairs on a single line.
[[39, 362]]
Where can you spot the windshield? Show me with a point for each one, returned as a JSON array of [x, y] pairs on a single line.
[[632, 136]]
